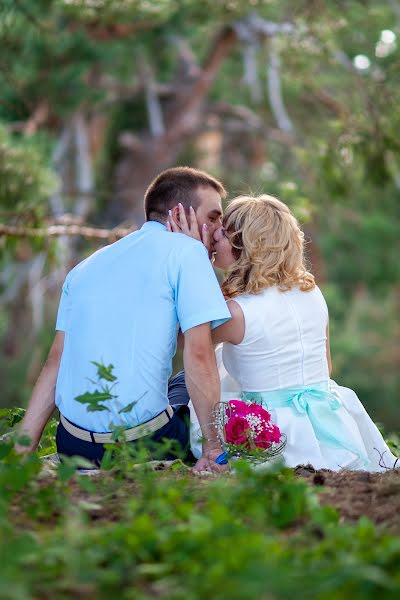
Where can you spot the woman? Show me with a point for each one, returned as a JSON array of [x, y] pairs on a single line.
[[276, 346]]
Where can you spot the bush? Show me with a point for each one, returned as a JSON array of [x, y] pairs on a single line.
[[141, 534]]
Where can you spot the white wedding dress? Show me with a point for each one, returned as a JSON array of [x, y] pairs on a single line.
[[281, 363]]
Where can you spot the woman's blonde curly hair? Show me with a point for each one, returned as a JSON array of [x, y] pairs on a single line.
[[268, 246]]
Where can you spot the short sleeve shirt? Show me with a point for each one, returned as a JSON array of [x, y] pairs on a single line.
[[122, 306]]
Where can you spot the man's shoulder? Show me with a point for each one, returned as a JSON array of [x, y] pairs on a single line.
[[86, 264]]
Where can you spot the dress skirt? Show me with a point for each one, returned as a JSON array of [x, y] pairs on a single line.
[[304, 445]]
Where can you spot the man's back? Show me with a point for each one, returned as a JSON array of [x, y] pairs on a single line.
[[122, 306]]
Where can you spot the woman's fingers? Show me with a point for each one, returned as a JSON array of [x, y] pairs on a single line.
[[193, 221], [189, 227], [183, 220]]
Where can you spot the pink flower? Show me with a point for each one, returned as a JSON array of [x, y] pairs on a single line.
[[237, 407], [250, 425], [268, 436], [276, 434], [260, 411], [237, 430]]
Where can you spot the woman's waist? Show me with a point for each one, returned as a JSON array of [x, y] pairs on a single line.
[[254, 375], [287, 396]]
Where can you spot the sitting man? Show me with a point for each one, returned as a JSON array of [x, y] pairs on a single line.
[[122, 306]]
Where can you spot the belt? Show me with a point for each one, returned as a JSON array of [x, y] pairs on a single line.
[[134, 433]]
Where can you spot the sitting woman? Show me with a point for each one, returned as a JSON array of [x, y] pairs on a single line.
[[276, 346]]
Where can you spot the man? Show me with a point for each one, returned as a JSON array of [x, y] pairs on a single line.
[[122, 306]]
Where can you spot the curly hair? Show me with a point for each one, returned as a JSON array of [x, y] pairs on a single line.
[[268, 247]]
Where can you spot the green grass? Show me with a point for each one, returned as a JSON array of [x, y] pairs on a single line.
[[135, 533]]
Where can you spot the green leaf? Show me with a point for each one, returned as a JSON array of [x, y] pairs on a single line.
[[12, 415], [69, 465], [65, 471], [5, 449], [127, 408], [118, 433], [97, 407], [104, 372], [93, 399], [24, 440]]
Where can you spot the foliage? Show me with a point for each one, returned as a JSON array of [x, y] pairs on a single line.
[[94, 399], [9, 417], [338, 169], [139, 533], [25, 181], [132, 533], [364, 337]]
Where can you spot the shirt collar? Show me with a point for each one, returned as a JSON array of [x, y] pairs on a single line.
[[153, 225]]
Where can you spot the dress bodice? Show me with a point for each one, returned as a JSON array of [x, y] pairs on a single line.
[[281, 363], [284, 344]]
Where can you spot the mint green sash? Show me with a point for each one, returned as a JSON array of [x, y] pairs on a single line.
[[320, 405]]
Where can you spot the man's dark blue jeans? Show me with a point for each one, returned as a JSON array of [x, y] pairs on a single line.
[[177, 429]]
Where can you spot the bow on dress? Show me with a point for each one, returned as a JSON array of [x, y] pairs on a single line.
[[320, 405]]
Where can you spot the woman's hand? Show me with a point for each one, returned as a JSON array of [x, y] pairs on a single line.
[[190, 228]]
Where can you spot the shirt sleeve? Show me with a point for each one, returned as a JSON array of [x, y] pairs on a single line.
[[64, 306], [198, 296]]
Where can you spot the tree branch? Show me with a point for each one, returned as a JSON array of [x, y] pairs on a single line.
[[331, 103], [251, 75], [188, 68], [153, 106], [184, 117], [36, 291], [83, 166], [110, 32], [244, 119], [38, 118], [238, 111], [85, 231], [275, 92]]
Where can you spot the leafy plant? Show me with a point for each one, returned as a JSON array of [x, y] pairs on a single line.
[[94, 399]]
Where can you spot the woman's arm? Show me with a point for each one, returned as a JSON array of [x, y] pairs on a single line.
[[328, 350], [233, 330]]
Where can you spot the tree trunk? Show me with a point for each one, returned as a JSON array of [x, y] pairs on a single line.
[[133, 174]]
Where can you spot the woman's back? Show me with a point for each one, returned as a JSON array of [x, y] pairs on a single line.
[[281, 362], [284, 344]]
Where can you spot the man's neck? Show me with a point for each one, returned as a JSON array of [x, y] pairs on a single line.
[[161, 219]]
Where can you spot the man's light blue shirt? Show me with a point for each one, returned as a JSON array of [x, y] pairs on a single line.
[[122, 306]]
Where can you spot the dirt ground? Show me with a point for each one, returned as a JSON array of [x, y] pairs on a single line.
[[353, 493], [358, 493]]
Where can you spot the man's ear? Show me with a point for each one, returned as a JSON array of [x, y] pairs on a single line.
[[175, 215]]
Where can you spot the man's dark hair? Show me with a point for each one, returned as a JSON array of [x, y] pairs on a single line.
[[179, 184]]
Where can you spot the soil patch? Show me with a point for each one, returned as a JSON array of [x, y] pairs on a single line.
[[353, 493], [359, 493]]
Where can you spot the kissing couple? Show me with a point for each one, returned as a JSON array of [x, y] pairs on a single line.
[[127, 304]]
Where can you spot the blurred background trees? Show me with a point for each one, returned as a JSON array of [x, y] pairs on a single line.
[[297, 99]]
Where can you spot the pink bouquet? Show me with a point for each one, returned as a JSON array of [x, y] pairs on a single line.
[[247, 430]]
